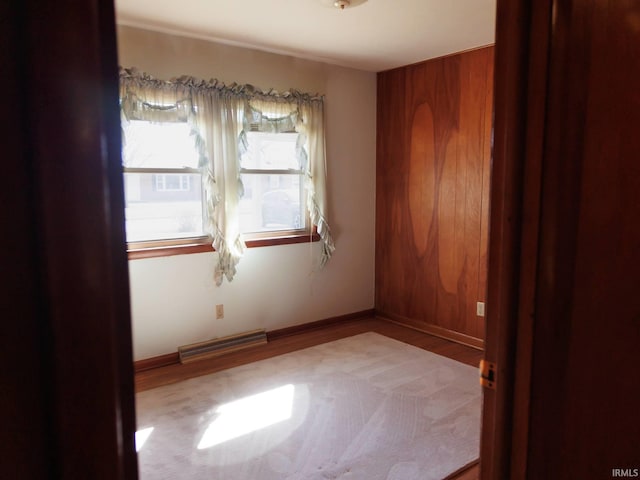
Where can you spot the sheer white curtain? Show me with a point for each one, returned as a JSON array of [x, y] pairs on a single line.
[[311, 123], [218, 115], [218, 119]]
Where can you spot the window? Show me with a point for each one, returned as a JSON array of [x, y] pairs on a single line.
[[164, 205], [229, 166], [273, 183], [163, 186], [164, 194]]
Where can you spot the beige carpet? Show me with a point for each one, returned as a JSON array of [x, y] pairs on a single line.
[[361, 408]]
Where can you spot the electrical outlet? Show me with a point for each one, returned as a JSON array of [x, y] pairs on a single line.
[[219, 311], [480, 309]]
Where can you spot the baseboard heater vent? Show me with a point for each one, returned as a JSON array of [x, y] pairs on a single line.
[[219, 346]]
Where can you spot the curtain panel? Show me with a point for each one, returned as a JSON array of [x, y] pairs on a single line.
[[219, 116]]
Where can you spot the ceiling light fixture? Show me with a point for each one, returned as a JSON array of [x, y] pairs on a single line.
[[341, 4]]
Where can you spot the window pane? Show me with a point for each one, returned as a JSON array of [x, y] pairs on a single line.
[[271, 151], [163, 206], [271, 203], [159, 145]]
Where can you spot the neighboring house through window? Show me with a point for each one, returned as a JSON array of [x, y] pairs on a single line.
[[273, 181], [172, 182], [163, 185]]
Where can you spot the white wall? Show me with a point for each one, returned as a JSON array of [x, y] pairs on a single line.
[[173, 298]]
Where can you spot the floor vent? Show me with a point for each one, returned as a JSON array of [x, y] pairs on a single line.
[[219, 346]]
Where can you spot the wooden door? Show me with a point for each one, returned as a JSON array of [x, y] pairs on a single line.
[[563, 311], [67, 376]]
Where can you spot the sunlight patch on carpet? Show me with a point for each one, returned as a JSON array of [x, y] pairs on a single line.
[[142, 436], [249, 414]]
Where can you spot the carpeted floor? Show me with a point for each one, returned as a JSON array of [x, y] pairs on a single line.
[[365, 407]]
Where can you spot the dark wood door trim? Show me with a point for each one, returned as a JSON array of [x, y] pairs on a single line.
[[504, 236], [585, 356], [534, 143], [522, 38], [68, 314]]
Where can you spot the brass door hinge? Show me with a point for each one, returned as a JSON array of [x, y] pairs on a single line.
[[488, 372]]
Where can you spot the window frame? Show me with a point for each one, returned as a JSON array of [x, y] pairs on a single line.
[[200, 244], [166, 242], [253, 129], [184, 246], [304, 210]]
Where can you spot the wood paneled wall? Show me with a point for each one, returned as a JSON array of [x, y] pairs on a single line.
[[433, 172]]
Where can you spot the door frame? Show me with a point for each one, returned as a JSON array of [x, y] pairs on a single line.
[[66, 311], [523, 29], [522, 41]]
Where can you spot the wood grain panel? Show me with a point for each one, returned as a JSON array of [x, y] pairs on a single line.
[[434, 126], [391, 207], [483, 247], [421, 178]]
